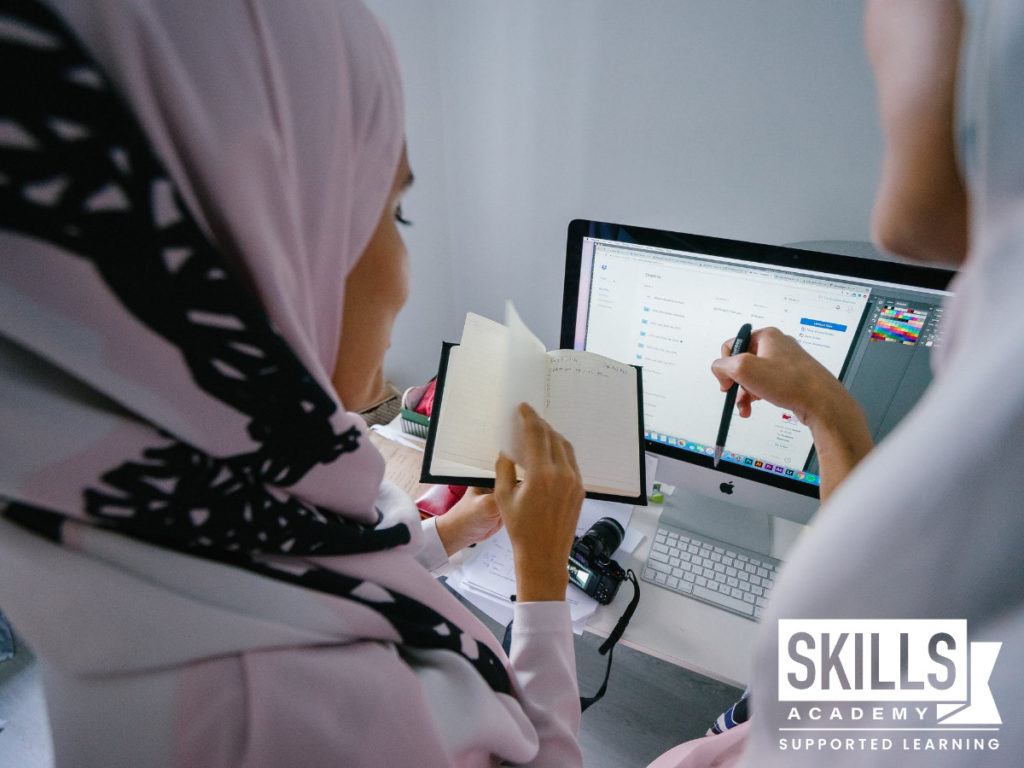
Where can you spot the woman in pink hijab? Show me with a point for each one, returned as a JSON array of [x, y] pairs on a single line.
[[201, 267]]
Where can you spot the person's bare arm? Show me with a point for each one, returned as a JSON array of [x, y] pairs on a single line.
[[472, 519], [777, 369]]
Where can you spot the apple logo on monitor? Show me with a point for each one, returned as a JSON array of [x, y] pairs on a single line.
[[725, 488]]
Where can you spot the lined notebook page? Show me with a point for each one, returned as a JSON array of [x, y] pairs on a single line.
[[471, 402], [581, 387]]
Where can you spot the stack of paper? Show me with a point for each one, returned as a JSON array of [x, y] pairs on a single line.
[[487, 578], [393, 431]]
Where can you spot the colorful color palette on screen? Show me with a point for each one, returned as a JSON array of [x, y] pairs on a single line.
[[899, 325]]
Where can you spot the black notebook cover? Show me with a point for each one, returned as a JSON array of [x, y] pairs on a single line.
[[488, 482]]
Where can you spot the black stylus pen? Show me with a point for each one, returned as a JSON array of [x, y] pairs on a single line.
[[739, 346]]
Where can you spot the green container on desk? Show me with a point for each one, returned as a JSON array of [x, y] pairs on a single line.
[[415, 424]]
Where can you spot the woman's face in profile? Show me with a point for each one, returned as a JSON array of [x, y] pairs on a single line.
[[921, 204], [375, 291]]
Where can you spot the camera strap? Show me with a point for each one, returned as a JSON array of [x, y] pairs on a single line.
[[609, 645], [606, 647]]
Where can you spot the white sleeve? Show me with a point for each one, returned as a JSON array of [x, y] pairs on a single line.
[[431, 555], [544, 661]]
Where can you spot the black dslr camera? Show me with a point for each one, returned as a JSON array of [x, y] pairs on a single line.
[[591, 567]]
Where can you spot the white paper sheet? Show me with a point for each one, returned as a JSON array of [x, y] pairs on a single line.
[[393, 431], [487, 578]]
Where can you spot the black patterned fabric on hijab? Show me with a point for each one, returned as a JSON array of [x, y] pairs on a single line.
[[78, 175]]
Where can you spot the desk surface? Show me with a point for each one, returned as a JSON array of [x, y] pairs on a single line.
[[666, 625], [677, 628]]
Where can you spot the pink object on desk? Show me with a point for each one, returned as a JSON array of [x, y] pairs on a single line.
[[426, 403], [439, 499]]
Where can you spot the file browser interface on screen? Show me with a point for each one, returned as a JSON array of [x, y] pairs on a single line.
[[670, 311]]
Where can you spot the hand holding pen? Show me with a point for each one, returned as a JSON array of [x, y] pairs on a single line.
[[739, 346], [778, 370]]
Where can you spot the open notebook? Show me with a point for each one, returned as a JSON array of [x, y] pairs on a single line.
[[593, 401]]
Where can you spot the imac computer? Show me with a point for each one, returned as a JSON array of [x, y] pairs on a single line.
[[667, 301]]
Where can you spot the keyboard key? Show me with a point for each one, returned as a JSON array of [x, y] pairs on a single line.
[[716, 557], [736, 593], [700, 580], [663, 567], [659, 547], [724, 600], [730, 571], [748, 597], [660, 557], [732, 582], [688, 576], [672, 582]]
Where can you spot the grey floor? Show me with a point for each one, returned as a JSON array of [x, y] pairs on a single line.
[[650, 706]]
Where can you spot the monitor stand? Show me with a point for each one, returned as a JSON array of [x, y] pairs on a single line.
[[733, 524]]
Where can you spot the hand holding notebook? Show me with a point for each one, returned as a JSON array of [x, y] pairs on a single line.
[[593, 401]]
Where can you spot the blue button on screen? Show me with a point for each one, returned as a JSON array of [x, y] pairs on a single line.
[[822, 324]]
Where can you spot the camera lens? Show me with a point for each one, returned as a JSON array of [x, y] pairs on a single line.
[[604, 537]]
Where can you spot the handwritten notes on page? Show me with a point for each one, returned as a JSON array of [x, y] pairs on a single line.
[[580, 387]]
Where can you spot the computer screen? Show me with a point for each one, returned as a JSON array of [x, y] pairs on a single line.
[[667, 301]]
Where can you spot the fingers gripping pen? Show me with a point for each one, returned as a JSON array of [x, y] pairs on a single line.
[[739, 346]]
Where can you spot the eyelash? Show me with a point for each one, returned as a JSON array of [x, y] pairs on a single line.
[[400, 218]]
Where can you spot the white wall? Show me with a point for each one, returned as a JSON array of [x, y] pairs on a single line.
[[752, 119]]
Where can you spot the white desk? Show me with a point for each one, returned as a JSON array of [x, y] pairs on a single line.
[[679, 629]]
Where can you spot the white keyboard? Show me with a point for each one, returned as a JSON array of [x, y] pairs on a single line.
[[734, 579]]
